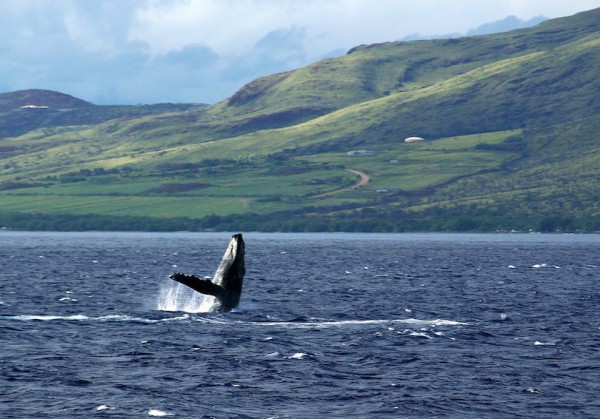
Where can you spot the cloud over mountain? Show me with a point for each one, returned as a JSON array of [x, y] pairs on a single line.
[[148, 51]]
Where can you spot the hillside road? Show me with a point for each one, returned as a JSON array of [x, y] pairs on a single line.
[[364, 179]]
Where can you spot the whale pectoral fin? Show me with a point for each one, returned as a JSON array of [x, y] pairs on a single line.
[[203, 286]]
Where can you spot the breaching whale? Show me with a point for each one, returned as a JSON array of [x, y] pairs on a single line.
[[226, 285]]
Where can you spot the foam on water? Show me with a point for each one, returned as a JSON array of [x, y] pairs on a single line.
[[82, 318], [308, 324], [320, 324], [25, 317], [158, 413], [298, 355]]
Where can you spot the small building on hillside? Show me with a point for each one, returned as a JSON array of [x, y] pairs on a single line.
[[33, 107], [414, 140], [361, 153]]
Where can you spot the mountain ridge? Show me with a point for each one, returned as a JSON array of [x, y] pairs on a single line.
[[39, 98], [22, 111]]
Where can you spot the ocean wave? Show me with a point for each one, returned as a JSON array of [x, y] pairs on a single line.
[[319, 323], [36, 317], [84, 318], [297, 324]]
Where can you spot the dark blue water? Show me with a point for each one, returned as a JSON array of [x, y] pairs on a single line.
[[339, 325]]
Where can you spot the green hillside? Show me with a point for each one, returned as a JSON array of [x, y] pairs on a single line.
[[510, 122]]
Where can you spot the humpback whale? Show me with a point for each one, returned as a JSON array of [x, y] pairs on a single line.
[[226, 285]]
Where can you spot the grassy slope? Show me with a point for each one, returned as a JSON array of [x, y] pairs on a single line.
[[260, 185], [497, 107]]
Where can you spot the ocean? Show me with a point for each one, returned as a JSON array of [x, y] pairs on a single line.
[[329, 325]]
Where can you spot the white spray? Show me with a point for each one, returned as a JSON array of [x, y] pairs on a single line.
[[177, 297]]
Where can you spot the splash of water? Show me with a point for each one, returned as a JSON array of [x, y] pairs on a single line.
[[177, 297]]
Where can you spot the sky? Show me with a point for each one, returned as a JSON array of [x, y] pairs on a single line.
[[202, 51]]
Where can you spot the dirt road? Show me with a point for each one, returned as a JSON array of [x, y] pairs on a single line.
[[364, 179]]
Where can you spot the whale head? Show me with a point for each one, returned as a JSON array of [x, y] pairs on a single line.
[[230, 273]]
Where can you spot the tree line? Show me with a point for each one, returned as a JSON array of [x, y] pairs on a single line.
[[286, 222]]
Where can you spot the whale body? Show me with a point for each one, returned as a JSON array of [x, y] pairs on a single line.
[[226, 285]]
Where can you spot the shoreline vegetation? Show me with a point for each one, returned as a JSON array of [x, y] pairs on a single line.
[[295, 224]]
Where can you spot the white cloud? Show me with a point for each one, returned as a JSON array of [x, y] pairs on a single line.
[[233, 27], [229, 27]]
